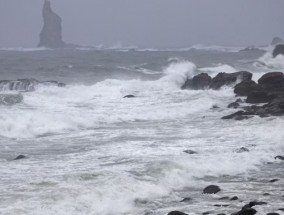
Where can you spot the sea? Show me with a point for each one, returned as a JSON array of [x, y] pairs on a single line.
[[90, 151]]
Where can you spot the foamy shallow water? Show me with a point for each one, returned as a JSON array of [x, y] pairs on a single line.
[[92, 152]]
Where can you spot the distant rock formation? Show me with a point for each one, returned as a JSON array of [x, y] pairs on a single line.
[[51, 33], [277, 41], [279, 49]]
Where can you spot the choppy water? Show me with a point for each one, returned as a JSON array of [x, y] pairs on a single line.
[[93, 152]]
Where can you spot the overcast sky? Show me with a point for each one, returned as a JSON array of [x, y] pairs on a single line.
[[146, 23]]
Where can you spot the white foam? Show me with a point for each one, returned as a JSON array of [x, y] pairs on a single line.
[[218, 68], [267, 61]]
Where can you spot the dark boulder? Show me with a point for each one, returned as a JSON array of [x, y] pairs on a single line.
[[211, 189], [191, 152], [246, 87], [256, 97], [234, 198], [176, 213], [279, 157], [20, 157], [129, 96], [186, 199], [234, 105], [198, 82], [240, 115], [51, 33], [253, 203], [223, 79], [247, 211], [273, 213], [273, 180], [279, 49], [272, 81]]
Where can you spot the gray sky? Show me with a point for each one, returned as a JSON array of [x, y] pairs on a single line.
[[146, 23]]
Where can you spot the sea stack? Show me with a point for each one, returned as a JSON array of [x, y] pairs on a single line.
[[51, 33]]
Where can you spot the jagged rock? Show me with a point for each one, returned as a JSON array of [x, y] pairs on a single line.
[[236, 116], [198, 82], [279, 49], [211, 189], [253, 203], [246, 87], [18, 85], [277, 41], [20, 157], [51, 33], [223, 79], [176, 213]]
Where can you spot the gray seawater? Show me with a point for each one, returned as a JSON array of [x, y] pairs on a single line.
[[90, 151]]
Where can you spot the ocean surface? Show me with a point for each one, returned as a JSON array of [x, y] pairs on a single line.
[[90, 151]]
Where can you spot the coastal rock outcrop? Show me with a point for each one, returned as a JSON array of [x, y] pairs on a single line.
[[51, 33], [198, 82], [277, 41], [279, 49]]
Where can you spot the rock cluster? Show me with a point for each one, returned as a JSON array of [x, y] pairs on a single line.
[[269, 90]]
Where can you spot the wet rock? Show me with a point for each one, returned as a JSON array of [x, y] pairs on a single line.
[[51, 33], [279, 157], [191, 152], [20, 157], [206, 213], [253, 203], [256, 97], [187, 199], [234, 198], [176, 213], [223, 79], [281, 209], [234, 105], [239, 100], [236, 116], [129, 96], [246, 87], [273, 213], [242, 149], [211, 189], [18, 85], [279, 49], [215, 107], [247, 211], [273, 180], [266, 194], [221, 214], [272, 81], [198, 82], [218, 205]]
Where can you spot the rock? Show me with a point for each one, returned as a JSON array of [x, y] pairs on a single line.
[[254, 203], [11, 99], [20, 157], [239, 100], [198, 82], [246, 87], [129, 96], [234, 198], [206, 213], [224, 198], [18, 85], [277, 41], [256, 97], [51, 33], [279, 157], [223, 79], [218, 205], [176, 213], [215, 107], [273, 213], [236, 116], [191, 152], [281, 209], [273, 180], [242, 149], [233, 105], [221, 214], [247, 211], [266, 194], [272, 81], [211, 189], [186, 199], [279, 49]]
